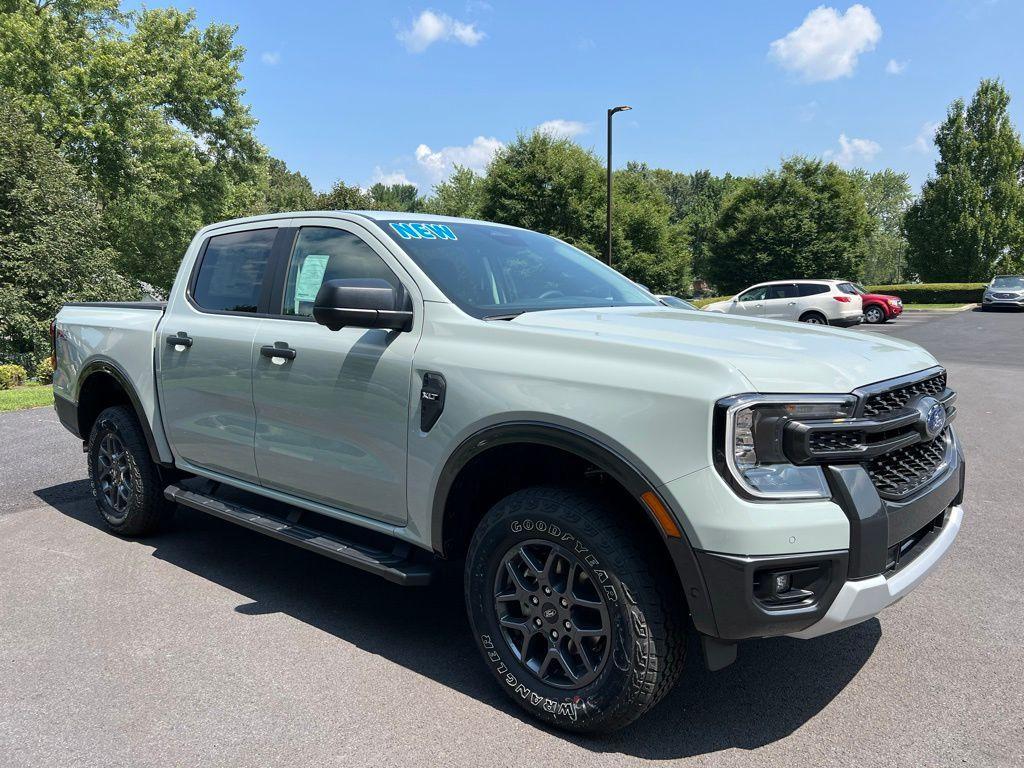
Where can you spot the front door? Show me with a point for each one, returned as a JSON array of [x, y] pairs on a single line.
[[205, 354], [332, 420], [750, 303]]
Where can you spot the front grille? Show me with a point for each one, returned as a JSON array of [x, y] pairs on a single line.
[[901, 472], [891, 400], [827, 442], [1005, 295]]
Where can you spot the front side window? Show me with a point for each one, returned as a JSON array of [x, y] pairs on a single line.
[[490, 271], [848, 288], [754, 294], [230, 277], [325, 253]]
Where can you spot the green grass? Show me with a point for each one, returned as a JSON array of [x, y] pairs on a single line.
[[30, 396], [933, 306]]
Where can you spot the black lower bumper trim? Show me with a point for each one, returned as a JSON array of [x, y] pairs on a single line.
[[742, 610]]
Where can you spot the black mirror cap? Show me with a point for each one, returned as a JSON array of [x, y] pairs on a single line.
[[362, 303]]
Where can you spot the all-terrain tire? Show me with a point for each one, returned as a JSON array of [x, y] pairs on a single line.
[[119, 459], [646, 612]]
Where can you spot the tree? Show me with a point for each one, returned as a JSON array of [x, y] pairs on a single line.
[[969, 221], [646, 245], [148, 108], [886, 195], [696, 199], [395, 197], [461, 194], [286, 190], [51, 238], [548, 184], [342, 197], [807, 220]]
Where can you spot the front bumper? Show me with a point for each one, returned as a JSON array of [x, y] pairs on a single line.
[[991, 301], [861, 599]]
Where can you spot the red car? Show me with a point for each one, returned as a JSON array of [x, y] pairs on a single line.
[[878, 307]]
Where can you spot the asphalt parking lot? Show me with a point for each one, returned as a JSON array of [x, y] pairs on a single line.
[[211, 645]]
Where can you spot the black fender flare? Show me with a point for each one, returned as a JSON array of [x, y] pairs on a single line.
[[621, 469], [115, 371]]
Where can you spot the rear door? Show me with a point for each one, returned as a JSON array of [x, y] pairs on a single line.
[[205, 351], [781, 302], [332, 421]]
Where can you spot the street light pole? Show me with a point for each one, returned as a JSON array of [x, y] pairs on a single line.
[[611, 112]]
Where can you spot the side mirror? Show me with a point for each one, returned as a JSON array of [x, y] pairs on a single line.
[[362, 303]]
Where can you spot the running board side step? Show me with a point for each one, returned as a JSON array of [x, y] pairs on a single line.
[[392, 566]]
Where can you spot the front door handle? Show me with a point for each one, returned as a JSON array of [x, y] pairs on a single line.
[[181, 340], [792, 303], [287, 353]]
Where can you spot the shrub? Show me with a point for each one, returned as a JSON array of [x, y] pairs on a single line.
[[12, 376], [701, 303], [44, 371], [933, 293]]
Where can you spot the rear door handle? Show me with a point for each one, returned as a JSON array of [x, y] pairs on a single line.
[[181, 340], [286, 353]]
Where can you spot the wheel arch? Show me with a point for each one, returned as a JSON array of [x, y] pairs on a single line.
[[101, 384], [448, 519]]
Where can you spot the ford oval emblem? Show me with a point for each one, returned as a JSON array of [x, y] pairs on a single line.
[[934, 415]]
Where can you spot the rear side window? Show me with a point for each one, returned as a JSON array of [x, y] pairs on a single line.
[[230, 277], [324, 253], [849, 288], [812, 289], [784, 291]]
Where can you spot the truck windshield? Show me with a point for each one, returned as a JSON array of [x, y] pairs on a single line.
[[494, 272]]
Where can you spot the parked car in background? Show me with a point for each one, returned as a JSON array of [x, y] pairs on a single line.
[[675, 301], [820, 302], [878, 307], [1004, 291]]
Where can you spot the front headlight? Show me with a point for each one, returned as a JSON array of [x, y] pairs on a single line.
[[749, 443]]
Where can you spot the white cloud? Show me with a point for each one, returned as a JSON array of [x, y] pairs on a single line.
[[853, 151], [438, 165], [562, 129], [429, 28], [894, 67], [270, 58], [924, 142], [827, 44], [393, 177]]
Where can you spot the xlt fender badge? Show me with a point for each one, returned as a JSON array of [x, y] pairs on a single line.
[[431, 400]]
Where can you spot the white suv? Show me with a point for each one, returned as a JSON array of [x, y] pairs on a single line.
[[823, 302]]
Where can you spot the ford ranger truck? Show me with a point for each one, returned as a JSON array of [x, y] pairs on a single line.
[[392, 390]]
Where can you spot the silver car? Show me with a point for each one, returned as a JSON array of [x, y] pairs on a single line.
[[1004, 291]]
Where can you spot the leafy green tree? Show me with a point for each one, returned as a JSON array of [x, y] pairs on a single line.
[[646, 245], [548, 184], [395, 197], [286, 190], [461, 194], [886, 195], [969, 221], [51, 238], [696, 200], [807, 220], [147, 107], [342, 197]]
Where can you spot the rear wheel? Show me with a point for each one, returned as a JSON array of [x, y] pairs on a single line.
[[125, 481], [874, 315], [576, 619], [814, 318]]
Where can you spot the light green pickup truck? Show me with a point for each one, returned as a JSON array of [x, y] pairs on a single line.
[[391, 390]]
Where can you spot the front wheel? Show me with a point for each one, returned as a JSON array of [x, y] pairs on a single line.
[[575, 618], [125, 481], [874, 315]]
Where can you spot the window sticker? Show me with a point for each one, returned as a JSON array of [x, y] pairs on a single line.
[[311, 275], [415, 230]]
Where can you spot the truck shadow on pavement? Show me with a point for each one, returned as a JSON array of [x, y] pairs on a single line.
[[776, 686]]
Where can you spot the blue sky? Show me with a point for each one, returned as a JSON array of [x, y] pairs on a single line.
[[391, 91]]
